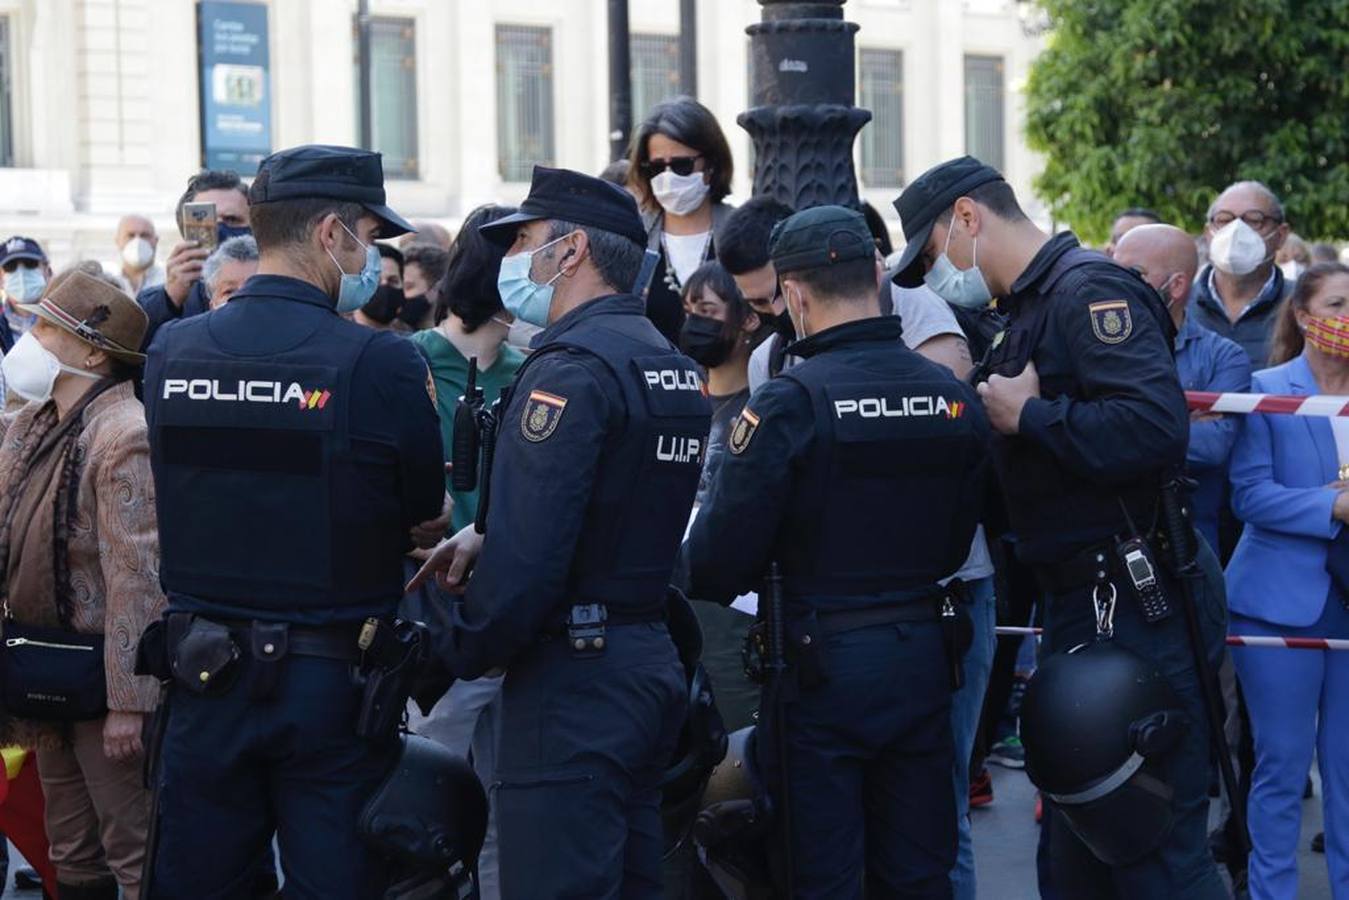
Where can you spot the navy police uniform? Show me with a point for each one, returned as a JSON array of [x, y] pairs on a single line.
[[860, 471], [600, 444], [1085, 472], [292, 452]]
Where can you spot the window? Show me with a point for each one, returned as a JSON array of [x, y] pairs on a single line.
[[984, 138], [655, 71], [524, 100], [6, 120], [880, 88], [393, 95]]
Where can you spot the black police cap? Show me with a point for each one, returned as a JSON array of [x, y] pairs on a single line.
[[569, 196], [923, 201], [819, 237], [333, 173]]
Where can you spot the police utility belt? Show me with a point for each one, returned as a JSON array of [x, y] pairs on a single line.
[[586, 625], [945, 605], [1129, 564], [205, 656]]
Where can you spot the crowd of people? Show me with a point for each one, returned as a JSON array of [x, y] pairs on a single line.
[[114, 499]]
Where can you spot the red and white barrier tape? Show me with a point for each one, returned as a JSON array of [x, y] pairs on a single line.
[[1321, 405], [1233, 640]]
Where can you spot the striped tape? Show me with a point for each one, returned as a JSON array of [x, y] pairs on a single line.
[[1320, 405], [1233, 640]]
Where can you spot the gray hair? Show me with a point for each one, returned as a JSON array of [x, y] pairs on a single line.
[[1271, 198], [237, 249], [617, 258]]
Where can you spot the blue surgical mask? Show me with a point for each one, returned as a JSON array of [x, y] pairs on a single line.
[[224, 232], [965, 288], [356, 290], [25, 285], [522, 297]]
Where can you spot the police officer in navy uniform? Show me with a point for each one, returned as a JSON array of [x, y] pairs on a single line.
[[293, 451], [600, 445], [1082, 389], [860, 472]]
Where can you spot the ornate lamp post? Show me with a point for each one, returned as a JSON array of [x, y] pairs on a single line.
[[803, 121]]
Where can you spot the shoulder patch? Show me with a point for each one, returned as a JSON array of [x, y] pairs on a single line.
[[431, 387], [542, 413], [743, 431], [1111, 321]]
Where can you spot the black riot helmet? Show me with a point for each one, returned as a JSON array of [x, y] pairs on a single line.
[[429, 818], [1097, 723]]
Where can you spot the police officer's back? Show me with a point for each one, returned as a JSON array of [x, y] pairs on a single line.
[[859, 471], [1082, 388], [292, 451], [598, 455]]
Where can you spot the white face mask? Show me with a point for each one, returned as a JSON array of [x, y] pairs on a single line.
[[679, 195], [31, 369], [1237, 249], [1292, 270], [25, 285], [138, 254]]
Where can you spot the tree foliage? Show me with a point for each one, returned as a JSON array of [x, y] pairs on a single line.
[[1162, 103]]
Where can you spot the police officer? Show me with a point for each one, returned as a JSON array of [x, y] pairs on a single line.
[[293, 451], [600, 445], [1082, 389], [863, 439]]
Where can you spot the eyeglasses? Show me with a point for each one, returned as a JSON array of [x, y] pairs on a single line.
[[680, 165], [1252, 217], [14, 264]]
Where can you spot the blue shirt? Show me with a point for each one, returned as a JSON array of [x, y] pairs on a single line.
[[1254, 328], [1209, 362]]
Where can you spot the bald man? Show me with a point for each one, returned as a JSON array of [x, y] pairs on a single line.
[[1165, 256], [137, 244], [1238, 293]]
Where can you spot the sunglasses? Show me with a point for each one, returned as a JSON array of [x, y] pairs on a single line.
[[680, 165], [14, 264]]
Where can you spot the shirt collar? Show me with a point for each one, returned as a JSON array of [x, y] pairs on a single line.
[[622, 304], [874, 328], [1269, 293], [1188, 331], [283, 287]]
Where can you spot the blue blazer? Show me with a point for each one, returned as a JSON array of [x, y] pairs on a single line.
[[1280, 468]]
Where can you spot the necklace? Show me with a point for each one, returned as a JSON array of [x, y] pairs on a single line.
[[671, 279]]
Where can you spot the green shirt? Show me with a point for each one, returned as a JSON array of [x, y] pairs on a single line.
[[449, 368]]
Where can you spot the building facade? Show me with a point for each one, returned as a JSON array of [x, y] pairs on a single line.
[[101, 100]]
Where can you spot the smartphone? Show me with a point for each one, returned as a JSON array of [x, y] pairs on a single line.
[[199, 224]]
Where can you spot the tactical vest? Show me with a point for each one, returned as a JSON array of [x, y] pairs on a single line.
[[649, 469], [250, 455], [892, 488]]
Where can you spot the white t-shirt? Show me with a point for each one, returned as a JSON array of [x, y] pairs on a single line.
[[686, 253], [925, 316]]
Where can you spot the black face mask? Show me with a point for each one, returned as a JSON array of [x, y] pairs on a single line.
[[705, 340], [385, 305], [781, 323], [414, 310]]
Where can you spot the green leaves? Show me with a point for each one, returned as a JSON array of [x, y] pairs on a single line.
[[1163, 103]]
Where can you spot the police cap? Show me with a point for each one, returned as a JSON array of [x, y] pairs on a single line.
[[334, 173], [925, 200], [569, 196], [819, 237]]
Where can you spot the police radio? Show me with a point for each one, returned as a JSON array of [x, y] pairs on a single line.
[[474, 444]]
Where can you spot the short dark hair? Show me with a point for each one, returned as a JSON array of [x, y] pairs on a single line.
[[617, 258], [278, 224], [685, 120], [851, 280], [469, 288], [432, 259], [387, 251], [880, 232], [1139, 212], [713, 276], [209, 180], [995, 196], [742, 240]]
